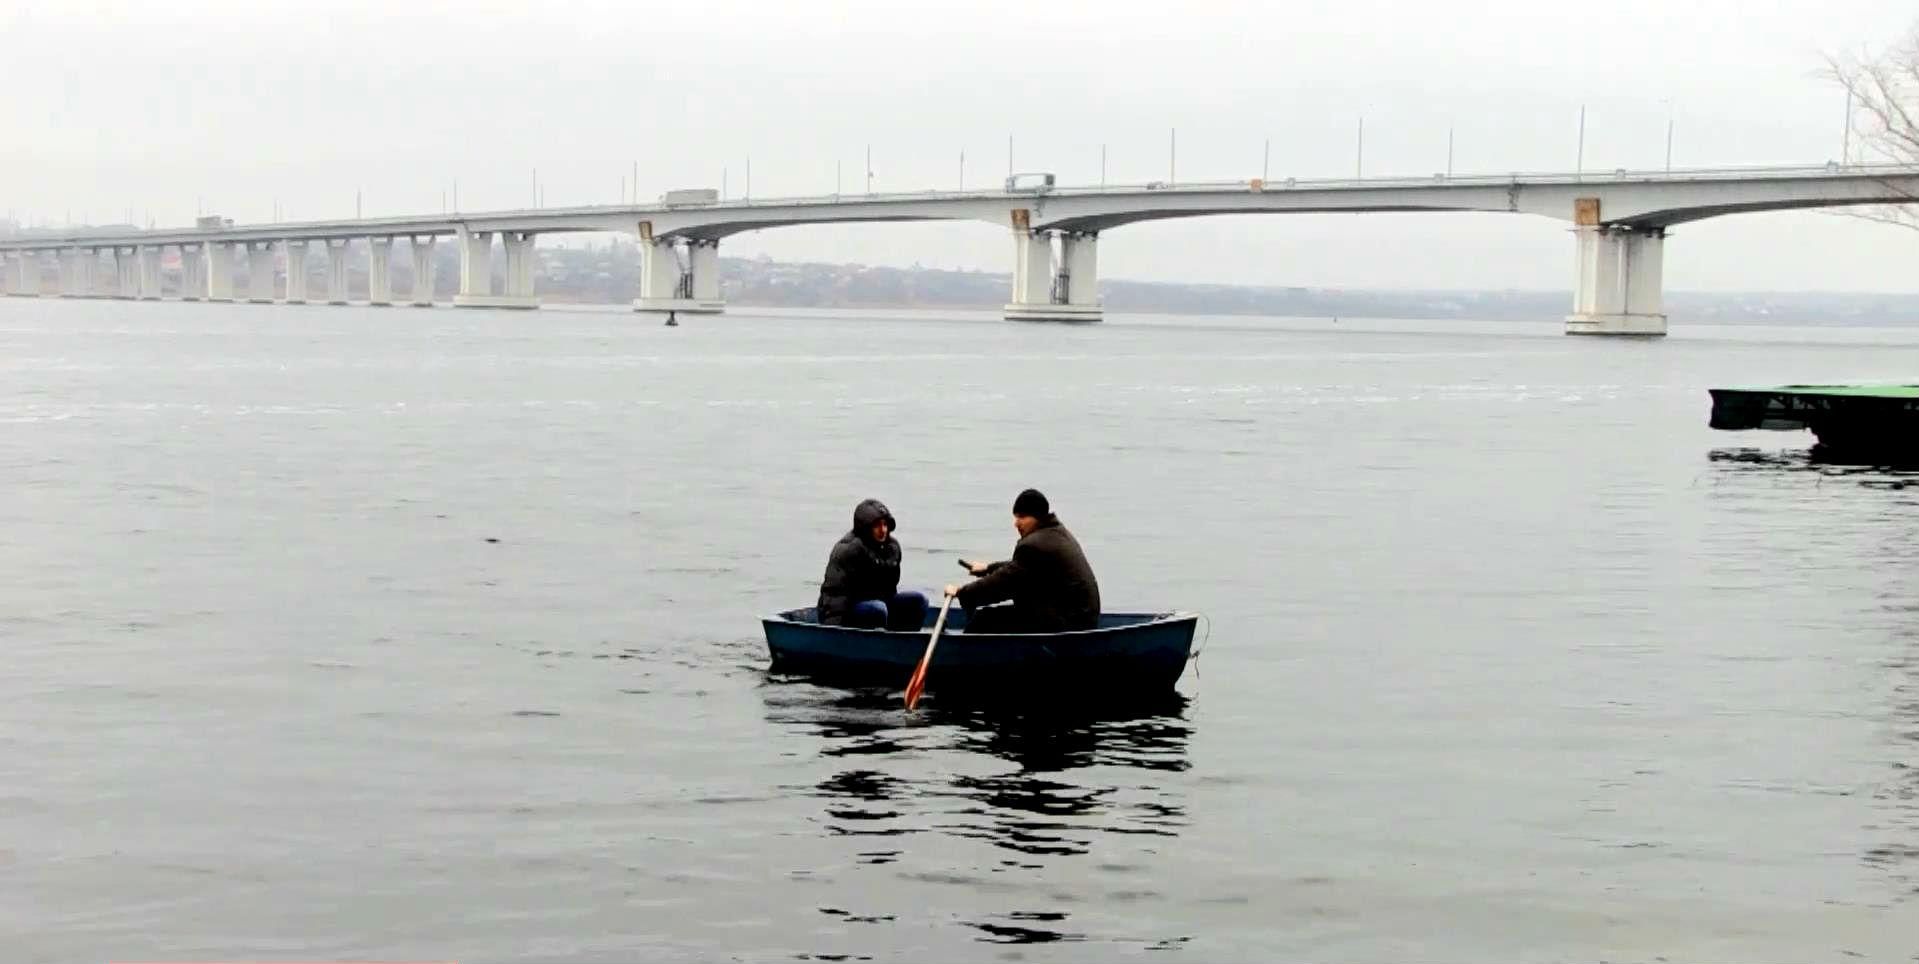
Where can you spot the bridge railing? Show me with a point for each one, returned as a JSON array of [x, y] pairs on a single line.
[[442, 223], [1269, 184]]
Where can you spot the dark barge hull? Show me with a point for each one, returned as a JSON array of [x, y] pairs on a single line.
[[1868, 423]]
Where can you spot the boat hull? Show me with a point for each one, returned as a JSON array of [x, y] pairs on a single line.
[[1129, 654]]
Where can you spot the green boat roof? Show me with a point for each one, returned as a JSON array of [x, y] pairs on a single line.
[[1877, 391]]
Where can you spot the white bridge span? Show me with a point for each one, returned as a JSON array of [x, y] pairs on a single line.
[[1620, 220]]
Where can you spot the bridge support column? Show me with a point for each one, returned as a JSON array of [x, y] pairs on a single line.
[[703, 257], [679, 275], [148, 257], [219, 269], [379, 272], [126, 273], [1618, 286], [66, 262], [1050, 289], [89, 273], [260, 272], [86, 271], [193, 272], [520, 269], [422, 251], [336, 254], [74, 284], [23, 275], [476, 271], [126, 279], [297, 281]]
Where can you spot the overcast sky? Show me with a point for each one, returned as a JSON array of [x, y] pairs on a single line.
[[159, 108]]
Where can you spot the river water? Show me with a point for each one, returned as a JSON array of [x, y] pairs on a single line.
[[349, 633]]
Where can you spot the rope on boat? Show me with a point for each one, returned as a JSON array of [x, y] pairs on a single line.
[[1202, 643]]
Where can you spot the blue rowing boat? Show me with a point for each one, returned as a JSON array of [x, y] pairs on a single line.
[[1130, 653]]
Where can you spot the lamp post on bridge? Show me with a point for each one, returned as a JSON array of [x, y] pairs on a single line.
[[1359, 152], [1669, 125], [1579, 163]]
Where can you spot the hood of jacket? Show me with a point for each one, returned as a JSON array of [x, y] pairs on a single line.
[[869, 512]]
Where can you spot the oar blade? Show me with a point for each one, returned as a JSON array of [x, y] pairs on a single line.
[[916, 685]]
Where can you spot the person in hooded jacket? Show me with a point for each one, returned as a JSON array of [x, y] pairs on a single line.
[[861, 586], [1047, 587]]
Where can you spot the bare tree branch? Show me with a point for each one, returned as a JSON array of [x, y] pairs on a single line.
[[1883, 87]]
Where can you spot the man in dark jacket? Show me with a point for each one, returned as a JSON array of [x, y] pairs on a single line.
[[861, 586], [1048, 580]]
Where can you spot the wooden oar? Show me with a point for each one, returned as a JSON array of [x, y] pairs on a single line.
[[917, 685]]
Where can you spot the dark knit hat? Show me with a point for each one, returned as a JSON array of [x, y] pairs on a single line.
[[1032, 503]]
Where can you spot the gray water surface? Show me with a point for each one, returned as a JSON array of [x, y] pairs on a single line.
[[354, 633]]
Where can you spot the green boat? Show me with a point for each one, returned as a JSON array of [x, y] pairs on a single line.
[[1866, 423]]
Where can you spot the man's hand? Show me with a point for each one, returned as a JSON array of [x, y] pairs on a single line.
[[952, 591], [976, 568]]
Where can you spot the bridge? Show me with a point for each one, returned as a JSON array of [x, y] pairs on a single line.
[[1620, 224]]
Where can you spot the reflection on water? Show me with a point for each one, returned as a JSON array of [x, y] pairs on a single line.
[[1896, 851], [1899, 794], [1031, 786], [1814, 461]]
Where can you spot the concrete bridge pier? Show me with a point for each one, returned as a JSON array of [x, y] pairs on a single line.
[[127, 263], [23, 275], [89, 278], [126, 280], [193, 272], [679, 275], [522, 265], [126, 273], [69, 265], [379, 272], [76, 280], [336, 276], [297, 284], [476, 270], [422, 250], [1619, 285], [219, 269], [128, 259], [1049, 287], [260, 272], [148, 258]]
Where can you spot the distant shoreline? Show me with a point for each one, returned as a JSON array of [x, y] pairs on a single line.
[[610, 275]]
